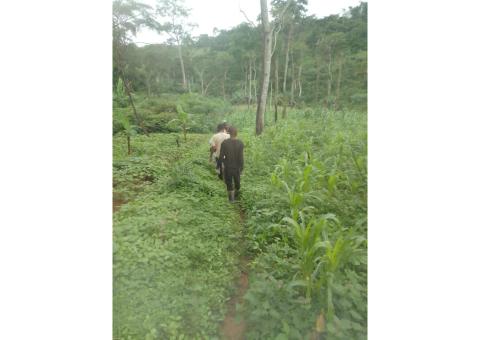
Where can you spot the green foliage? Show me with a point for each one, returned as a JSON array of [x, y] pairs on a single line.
[[172, 250], [307, 226], [328, 52], [157, 113], [176, 240]]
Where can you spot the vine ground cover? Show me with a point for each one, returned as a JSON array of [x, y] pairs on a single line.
[[178, 242]]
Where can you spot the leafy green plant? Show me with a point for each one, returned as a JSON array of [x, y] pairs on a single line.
[[183, 120]]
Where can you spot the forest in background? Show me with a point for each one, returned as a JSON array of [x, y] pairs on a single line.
[[315, 62]]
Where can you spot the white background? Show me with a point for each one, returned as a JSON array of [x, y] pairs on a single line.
[[55, 173]]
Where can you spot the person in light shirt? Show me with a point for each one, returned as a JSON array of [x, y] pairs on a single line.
[[216, 142]]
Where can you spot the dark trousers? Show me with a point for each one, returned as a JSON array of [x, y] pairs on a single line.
[[232, 174]]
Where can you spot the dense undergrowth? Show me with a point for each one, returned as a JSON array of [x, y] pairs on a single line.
[[156, 112], [304, 193], [174, 243]]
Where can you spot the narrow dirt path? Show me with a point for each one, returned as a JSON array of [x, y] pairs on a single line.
[[231, 328]]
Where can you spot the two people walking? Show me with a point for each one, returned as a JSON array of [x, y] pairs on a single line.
[[229, 158]]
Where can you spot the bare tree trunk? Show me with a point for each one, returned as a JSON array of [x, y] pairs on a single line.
[[292, 85], [249, 82], [317, 79], [276, 87], [255, 78], [267, 57], [287, 53], [184, 78], [129, 147], [149, 91], [330, 76], [299, 81], [271, 94], [339, 79], [208, 85], [246, 81], [201, 82], [223, 83]]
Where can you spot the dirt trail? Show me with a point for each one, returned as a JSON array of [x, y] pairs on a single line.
[[231, 329]]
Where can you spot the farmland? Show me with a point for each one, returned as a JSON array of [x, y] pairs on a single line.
[[299, 232]]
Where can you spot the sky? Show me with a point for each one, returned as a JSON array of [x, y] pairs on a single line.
[[225, 14]]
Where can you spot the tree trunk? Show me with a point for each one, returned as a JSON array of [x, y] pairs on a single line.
[[255, 78], [299, 81], [129, 148], [246, 81], [330, 76], [276, 88], [267, 56], [184, 78], [284, 109], [317, 79], [149, 91], [249, 83], [339, 79], [208, 85], [292, 85], [271, 95], [287, 53], [201, 83], [223, 84]]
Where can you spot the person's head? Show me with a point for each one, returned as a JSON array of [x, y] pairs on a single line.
[[221, 127], [232, 131]]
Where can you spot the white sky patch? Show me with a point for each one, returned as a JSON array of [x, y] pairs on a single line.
[[225, 14]]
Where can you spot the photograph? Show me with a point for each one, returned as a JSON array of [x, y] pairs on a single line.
[[239, 169]]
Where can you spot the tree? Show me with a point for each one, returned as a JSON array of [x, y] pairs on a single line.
[[128, 17], [288, 13], [267, 57], [176, 27]]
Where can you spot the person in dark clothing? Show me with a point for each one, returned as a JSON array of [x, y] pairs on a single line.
[[231, 156]]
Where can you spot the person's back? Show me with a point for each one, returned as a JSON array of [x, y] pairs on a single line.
[[232, 150], [231, 155]]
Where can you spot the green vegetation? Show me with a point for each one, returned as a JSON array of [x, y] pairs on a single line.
[[320, 61], [307, 227], [301, 223], [176, 243]]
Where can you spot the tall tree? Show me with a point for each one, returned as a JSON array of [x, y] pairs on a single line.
[[128, 17], [177, 27], [267, 57]]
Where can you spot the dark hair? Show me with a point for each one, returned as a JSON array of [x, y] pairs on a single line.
[[232, 131], [222, 126]]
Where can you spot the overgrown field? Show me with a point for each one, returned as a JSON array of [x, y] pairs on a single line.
[[173, 243], [176, 240]]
